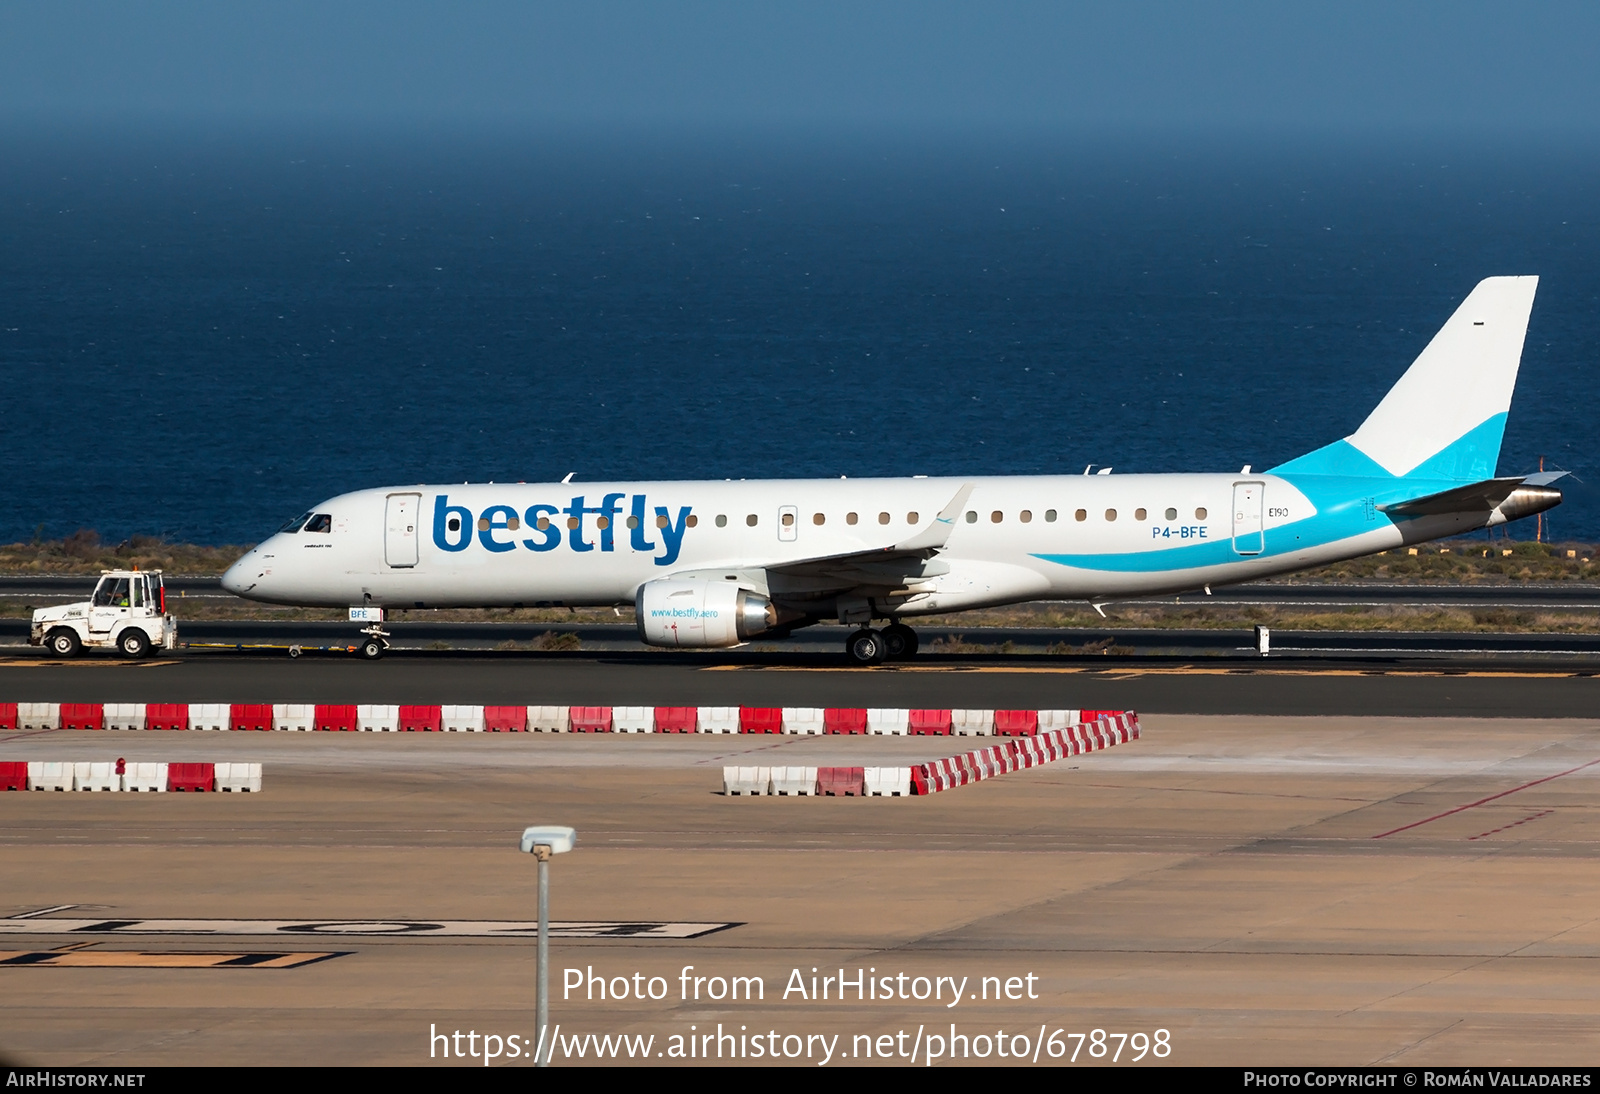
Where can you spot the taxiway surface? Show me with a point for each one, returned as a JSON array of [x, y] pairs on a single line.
[[1333, 890]]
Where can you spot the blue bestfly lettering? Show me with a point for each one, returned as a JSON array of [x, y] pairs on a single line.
[[454, 527]]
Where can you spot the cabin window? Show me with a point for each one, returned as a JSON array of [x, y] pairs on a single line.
[[911, 518], [883, 518], [972, 517], [1025, 516], [788, 520], [722, 520], [751, 520], [322, 522], [818, 518], [483, 524], [633, 522], [689, 521], [661, 521], [1139, 514], [1050, 516], [1081, 514], [572, 522], [455, 524], [543, 524], [603, 523], [850, 518], [1172, 514], [1200, 514], [996, 517], [1111, 514]]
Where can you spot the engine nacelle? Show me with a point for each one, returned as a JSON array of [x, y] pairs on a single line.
[[700, 614]]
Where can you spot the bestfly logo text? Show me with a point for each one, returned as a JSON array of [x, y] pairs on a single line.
[[499, 528]]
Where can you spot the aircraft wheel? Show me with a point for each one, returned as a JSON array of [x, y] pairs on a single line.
[[865, 647], [133, 643], [371, 649], [899, 642], [63, 642]]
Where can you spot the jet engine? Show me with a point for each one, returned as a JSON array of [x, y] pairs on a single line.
[[700, 614]]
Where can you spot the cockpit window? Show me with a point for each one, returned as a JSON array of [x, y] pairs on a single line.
[[294, 525], [322, 522]]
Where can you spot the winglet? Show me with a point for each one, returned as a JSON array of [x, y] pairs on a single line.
[[934, 536]]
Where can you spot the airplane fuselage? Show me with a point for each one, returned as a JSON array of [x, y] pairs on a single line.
[[1081, 537]]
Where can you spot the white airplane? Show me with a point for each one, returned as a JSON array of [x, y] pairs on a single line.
[[714, 564]]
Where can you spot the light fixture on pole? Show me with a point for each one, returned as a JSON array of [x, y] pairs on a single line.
[[542, 841]]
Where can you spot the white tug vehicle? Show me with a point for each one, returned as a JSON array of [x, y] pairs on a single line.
[[127, 613]]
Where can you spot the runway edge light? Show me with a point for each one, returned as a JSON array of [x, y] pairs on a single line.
[[558, 839]]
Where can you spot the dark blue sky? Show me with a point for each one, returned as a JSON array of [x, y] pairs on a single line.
[[1466, 66]]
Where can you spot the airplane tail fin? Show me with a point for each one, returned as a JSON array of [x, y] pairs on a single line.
[[1445, 417]]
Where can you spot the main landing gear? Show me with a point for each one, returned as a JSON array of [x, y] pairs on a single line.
[[896, 642]]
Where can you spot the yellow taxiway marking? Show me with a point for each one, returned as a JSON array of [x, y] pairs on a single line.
[[79, 956], [39, 663], [1131, 674]]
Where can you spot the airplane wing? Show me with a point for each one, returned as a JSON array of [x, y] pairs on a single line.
[[894, 566], [1485, 496]]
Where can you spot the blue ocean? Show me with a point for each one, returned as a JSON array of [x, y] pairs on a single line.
[[203, 333]]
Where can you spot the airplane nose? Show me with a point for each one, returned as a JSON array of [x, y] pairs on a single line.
[[239, 578]]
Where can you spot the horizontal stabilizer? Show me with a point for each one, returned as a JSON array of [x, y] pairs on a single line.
[[1527, 494]]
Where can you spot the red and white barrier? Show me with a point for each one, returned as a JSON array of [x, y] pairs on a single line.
[[377, 718], [760, 719], [794, 781], [294, 717], [208, 716], [633, 720], [548, 719], [718, 719], [38, 715], [125, 715], [461, 719], [748, 781], [805, 721], [676, 719], [888, 721]]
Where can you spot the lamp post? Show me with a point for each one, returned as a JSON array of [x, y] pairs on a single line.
[[542, 841]]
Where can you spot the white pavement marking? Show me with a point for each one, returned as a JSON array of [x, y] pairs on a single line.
[[36, 923]]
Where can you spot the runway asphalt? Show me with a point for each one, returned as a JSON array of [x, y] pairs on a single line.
[[1288, 686]]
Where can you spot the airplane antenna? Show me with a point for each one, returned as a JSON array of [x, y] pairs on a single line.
[[569, 476]]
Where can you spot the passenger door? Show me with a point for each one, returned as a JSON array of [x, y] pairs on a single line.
[[1249, 537], [788, 523], [400, 529]]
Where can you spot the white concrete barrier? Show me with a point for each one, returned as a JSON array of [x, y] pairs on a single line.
[[719, 719], [746, 780], [49, 775], [1057, 719], [238, 778], [794, 781], [150, 778], [294, 717], [633, 719], [888, 721], [124, 715], [377, 718], [887, 782], [549, 719], [806, 721], [459, 719], [209, 715], [38, 715], [972, 723], [95, 776]]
